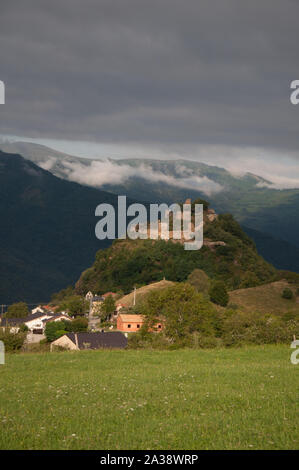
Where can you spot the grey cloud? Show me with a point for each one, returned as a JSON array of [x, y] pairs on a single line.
[[209, 72]]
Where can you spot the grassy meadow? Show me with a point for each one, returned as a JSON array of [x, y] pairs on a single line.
[[265, 298], [243, 398]]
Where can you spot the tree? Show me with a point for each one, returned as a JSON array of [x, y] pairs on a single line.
[[199, 279], [249, 280], [75, 306], [17, 310], [287, 293], [182, 310], [52, 329], [218, 293], [107, 307]]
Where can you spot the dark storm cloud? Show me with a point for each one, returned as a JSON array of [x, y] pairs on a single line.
[[209, 72]]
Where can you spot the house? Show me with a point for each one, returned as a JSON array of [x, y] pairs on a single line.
[[132, 323], [211, 214], [37, 309], [113, 294], [35, 322], [57, 317], [128, 322], [47, 308], [89, 296], [96, 304], [32, 321], [95, 301], [79, 341], [12, 323]]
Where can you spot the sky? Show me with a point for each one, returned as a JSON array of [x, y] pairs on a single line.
[[198, 79]]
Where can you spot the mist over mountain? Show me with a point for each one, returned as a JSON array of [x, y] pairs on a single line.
[[250, 198]]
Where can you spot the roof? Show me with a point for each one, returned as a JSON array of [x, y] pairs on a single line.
[[131, 318], [113, 339], [32, 316], [12, 321], [55, 317], [108, 293], [98, 298], [20, 321]]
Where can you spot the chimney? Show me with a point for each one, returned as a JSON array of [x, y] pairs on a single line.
[[76, 340]]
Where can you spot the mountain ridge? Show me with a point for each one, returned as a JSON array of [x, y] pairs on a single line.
[[267, 212], [48, 232]]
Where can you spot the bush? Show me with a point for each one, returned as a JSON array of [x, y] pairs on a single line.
[[77, 325], [144, 340], [52, 329], [218, 293], [199, 279], [12, 341], [287, 293], [205, 342], [59, 333], [255, 328], [249, 280], [24, 328]]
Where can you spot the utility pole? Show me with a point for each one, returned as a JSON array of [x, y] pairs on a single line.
[[134, 302]]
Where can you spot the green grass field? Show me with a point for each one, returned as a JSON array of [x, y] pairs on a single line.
[[186, 399]]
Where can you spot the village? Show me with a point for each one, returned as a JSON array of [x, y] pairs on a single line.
[[113, 333], [110, 330]]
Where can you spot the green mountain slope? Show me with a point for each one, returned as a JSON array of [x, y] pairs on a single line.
[[129, 263], [47, 230], [281, 254]]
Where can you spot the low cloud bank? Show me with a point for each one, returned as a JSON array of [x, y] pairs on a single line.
[[100, 173]]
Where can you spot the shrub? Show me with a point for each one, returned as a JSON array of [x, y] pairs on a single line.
[[77, 325], [24, 328], [218, 293], [250, 279], [287, 293], [53, 327], [199, 279], [12, 341], [254, 328], [205, 342], [144, 340]]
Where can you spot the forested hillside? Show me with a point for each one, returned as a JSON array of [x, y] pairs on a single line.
[[129, 263], [47, 234]]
